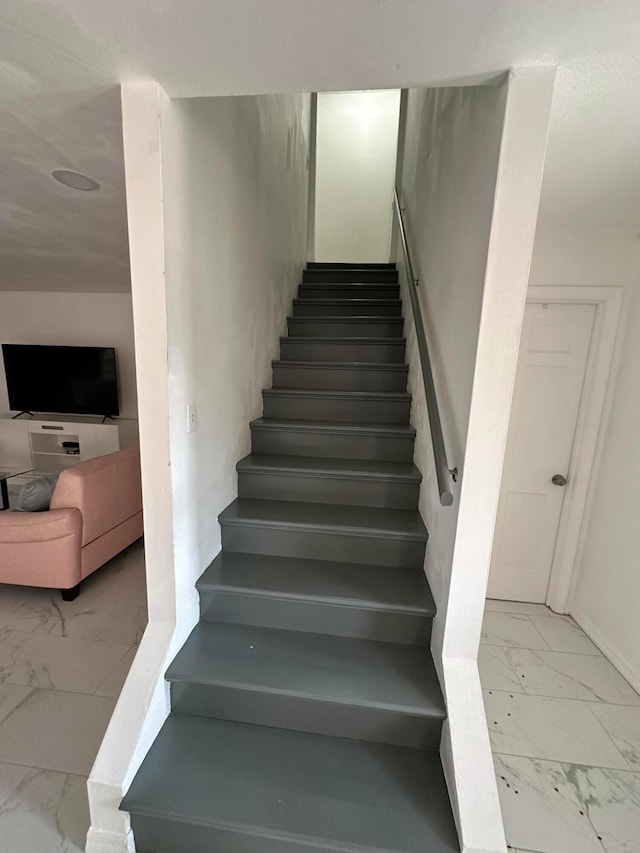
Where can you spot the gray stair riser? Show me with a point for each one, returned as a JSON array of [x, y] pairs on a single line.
[[350, 265], [207, 777], [326, 328], [352, 410], [324, 545], [269, 485], [331, 445], [339, 378], [356, 275], [281, 711], [294, 614], [355, 308], [389, 351], [158, 835], [348, 291]]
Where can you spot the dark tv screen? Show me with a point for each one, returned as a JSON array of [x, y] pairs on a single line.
[[68, 380]]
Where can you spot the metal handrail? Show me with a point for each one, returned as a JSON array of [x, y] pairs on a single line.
[[445, 475]]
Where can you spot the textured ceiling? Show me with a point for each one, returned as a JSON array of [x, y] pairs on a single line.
[[60, 58], [53, 237]]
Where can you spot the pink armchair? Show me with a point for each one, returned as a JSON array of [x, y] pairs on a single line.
[[95, 512]]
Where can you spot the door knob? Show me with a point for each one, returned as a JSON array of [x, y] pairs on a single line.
[[559, 480]]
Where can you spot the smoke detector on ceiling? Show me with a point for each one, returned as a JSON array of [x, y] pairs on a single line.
[[75, 180]]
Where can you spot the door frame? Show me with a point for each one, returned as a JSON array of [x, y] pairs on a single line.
[[311, 167], [587, 444]]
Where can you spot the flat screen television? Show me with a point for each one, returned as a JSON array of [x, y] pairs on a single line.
[[65, 380]]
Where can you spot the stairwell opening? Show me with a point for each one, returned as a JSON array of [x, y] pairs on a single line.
[[280, 364], [311, 624]]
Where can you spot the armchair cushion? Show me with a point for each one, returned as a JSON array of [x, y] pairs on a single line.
[[41, 548], [40, 527], [107, 491]]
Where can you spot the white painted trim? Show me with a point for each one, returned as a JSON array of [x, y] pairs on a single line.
[[466, 748], [144, 701], [631, 674], [311, 198], [140, 712], [584, 454], [103, 841], [400, 148]]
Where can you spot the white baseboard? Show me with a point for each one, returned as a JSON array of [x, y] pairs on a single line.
[[104, 841], [139, 714], [610, 652], [467, 761]]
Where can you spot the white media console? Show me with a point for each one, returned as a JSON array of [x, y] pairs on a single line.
[[37, 442]]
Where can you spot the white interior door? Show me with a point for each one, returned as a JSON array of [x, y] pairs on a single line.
[[548, 389]]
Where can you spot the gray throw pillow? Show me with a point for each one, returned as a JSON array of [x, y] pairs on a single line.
[[35, 496]]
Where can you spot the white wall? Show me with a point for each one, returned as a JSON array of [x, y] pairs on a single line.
[[448, 190], [471, 175], [144, 701], [73, 319], [606, 595], [591, 257], [217, 209], [448, 183], [357, 135], [235, 185]]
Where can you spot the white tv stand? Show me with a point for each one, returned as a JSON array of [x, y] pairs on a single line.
[[37, 442]]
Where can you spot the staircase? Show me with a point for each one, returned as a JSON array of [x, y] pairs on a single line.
[[306, 711]]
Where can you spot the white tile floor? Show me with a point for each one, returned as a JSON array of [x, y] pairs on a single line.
[[62, 666], [565, 733], [564, 725]]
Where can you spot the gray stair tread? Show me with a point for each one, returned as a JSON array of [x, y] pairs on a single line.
[[401, 396], [352, 268], [395, 430], [343, 339], [363, 469], [348, 289], [367, 274], [349, 284], [344, 794], [344, 584], [343, 365], [339, 518], [351, 265], [344, 670], [347, 318], [339, 301], [340, 278], [356, 284]]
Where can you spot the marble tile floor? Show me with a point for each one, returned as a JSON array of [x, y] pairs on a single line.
[[62, 666], [564, 724], [565, 733]]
